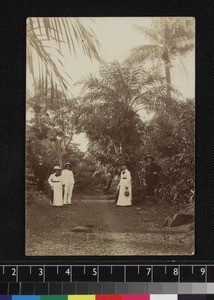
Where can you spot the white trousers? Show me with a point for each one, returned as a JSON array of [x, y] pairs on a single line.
[[68, 192]]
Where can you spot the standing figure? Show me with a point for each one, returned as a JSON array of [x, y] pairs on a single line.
[[152, 175], [68, 182], [40, 174], [125, 188], [55, 181]]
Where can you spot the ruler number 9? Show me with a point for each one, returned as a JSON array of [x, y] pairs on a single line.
[[13, 271], [175, 271], [202, 270]]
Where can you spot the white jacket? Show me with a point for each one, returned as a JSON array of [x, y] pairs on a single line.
[[67, 177]]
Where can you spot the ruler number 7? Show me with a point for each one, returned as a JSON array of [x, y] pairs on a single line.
[[148, 271]]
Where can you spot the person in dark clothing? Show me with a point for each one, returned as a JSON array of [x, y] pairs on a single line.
[[40, 174], [152, 175]]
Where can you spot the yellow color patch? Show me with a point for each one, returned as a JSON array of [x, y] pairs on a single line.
[[81, 297]]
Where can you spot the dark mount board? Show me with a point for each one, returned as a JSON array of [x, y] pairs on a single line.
[[12, 104]]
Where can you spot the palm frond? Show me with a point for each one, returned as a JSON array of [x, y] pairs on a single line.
[[43, 32], [142, 53], [153, 35]]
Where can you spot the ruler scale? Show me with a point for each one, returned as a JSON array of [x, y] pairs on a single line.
[[106, 273], [112, 279]]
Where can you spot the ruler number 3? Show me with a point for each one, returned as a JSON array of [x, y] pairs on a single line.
[[40, 271]]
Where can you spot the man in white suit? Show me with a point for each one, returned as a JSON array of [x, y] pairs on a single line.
[[68, 183]]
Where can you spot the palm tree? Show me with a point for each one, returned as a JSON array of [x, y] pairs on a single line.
[[129, 84], [45, 38], [170, 37], [115, 97]]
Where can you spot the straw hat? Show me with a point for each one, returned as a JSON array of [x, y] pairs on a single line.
[[67, 164], [148, 156]]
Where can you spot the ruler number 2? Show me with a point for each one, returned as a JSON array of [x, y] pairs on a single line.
[[13, 271]]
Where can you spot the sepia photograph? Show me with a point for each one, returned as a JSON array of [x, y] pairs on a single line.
[[110, 136]]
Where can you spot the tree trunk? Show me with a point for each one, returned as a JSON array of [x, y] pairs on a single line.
[[110, 179], [168, 76], [136, 188]]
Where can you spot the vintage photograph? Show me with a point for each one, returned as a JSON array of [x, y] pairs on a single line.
[[110, 136]]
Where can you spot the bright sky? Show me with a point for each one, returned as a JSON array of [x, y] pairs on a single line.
[[117, 37]]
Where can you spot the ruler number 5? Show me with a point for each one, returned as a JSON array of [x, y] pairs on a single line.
[[94, 271]]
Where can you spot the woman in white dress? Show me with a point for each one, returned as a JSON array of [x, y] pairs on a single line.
[[125, 188], [55, 181]]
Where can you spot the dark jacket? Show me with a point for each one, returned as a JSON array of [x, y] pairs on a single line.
[[40, 172], [152, 173]]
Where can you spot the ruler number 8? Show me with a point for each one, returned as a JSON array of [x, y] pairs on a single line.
[[202, 271], [175, 271]]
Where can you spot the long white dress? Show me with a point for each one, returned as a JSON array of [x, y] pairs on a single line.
[[56, 185], [125, 182], [68, 181]]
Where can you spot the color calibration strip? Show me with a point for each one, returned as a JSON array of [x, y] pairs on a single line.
[[106, 288], [112, 297]]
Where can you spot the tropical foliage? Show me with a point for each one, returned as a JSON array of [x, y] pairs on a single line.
[[109, 109], [170, 39]]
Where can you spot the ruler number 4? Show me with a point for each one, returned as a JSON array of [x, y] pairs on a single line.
[[68, 271]]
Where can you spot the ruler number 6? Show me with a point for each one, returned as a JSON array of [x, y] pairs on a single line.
[[13, 271], [202, 271]]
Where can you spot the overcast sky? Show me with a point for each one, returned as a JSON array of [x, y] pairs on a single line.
[[117, 37]]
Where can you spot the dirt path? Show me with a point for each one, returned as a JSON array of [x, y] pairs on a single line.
[[116, 230]]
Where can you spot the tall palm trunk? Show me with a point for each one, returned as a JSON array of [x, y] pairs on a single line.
[[168, 75]]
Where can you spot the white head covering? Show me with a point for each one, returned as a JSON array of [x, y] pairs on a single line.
[[57, 168]]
